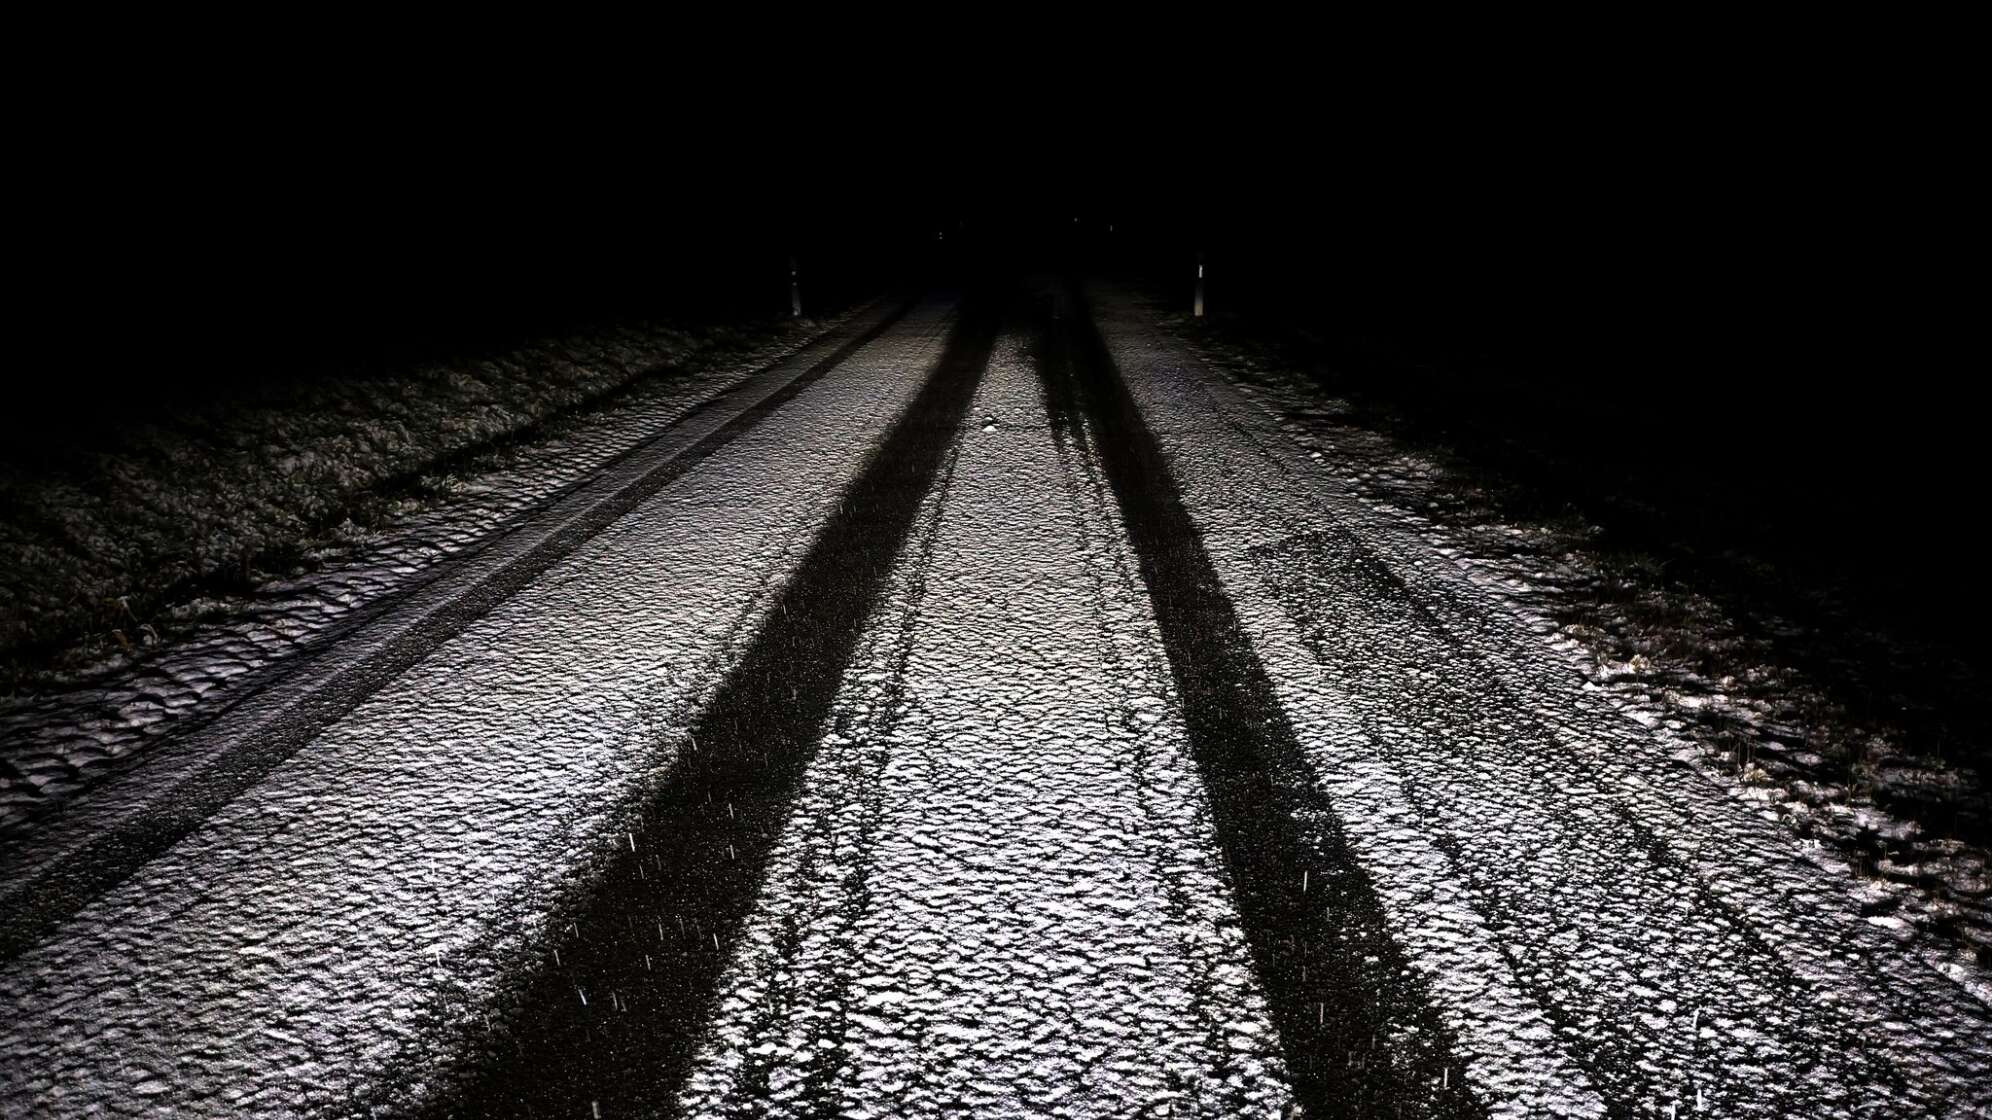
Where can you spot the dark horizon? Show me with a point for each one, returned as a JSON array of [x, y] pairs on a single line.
[[1742, 318]]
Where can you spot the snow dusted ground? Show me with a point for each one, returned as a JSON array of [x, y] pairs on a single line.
[[999, 892], [72, 728], [1672, 658], [1003, 885], [318, 937], [1608, 925]]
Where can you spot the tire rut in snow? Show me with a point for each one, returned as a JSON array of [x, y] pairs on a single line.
[[611, 1018], [827, 837], [35, 909], [1403, 671], [1360, 1035]]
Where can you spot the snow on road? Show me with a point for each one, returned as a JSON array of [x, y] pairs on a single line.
[[1000, 889], [998, 893], [63, 739], [298, 948], [1606, 929]]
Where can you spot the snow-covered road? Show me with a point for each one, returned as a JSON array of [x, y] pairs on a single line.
[[1650, 941], [1008, 722], [999, 892]]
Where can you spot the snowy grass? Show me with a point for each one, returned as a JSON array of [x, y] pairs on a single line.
[[109, 548], [1890, 782]]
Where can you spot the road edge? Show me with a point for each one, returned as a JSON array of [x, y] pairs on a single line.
[[90, 846]]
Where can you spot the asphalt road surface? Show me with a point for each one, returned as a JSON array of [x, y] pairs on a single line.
[[985, 712]]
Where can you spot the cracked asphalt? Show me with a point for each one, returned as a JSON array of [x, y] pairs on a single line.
[[1006, 721]]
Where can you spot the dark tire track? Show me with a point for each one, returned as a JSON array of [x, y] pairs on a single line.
[[36, 908], [874, 725], [1360, 1036], [1081, 475], [612, 1018]]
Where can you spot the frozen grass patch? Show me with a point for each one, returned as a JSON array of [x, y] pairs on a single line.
[[104, 546], [1794, 711]]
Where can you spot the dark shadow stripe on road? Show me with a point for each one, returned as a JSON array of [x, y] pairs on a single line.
[[33, 910], [1356, 1025], [612, 1016]]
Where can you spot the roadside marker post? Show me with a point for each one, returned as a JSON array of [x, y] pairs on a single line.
[[1197, 309]]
